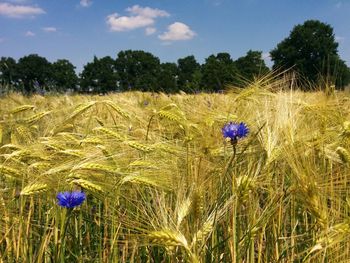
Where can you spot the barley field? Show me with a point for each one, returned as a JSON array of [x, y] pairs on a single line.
[[162, 184]]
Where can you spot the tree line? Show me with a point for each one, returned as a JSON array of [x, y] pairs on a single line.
[[131, 70], [310, 50]]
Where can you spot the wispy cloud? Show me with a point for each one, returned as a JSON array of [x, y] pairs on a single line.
[[139, 17], [147, 11], [85, 3], [150, 31], [19, 11], [49, 29], [177, 31], [29, 34], [2, 40]]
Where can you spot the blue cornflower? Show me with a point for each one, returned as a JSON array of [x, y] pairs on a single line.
[[70, 199], [235, 131]]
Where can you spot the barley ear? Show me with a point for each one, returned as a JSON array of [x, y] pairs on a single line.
[[36, 188]]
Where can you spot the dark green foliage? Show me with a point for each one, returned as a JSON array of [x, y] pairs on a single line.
[[250, 67], [311, 50], [335, 72], [168, 77], [218, 71], [187, 68], [99, 76], [8, 72], [63, 75], [138, 70], [34, 72]]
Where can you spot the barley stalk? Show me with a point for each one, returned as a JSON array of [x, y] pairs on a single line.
[[36, 188], [21, 109], [143, 164], [203, 233], [10, 172], [96, 167], [88, 185], [168, 238], [36, 117], [111, 133], [170, 116], [183, 211], [197, 205], [24, 133], [117, 109], [140, 147], [81, 108], [40, 165], [92, 140]]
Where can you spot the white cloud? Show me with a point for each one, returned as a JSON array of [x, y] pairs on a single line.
[[150, 31], [339, 5], [19, 11], [126, 23], [177, 31], [139, 17], [85, 3], [146, 11], [29, 34], [49, 29]]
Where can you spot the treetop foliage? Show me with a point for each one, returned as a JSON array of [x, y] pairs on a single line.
[[131, 70], [312, 51]]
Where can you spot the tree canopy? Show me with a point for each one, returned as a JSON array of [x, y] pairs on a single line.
[[63, 75], [187, 67], [99, 76], [311, 50], [138, 70], [218, 71], [167, 81], [34, 72], [250, 66], [7, 70]]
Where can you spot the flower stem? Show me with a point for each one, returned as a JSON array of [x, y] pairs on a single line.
[[230, 161], [65, 221]]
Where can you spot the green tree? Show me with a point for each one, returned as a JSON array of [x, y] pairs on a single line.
[[218, 71], [168, 77], [187, 67], [312, 50], [336, 72], [34, 72], [8, 72], [138, 70], [250, 66], [99, 76], [63, 75]]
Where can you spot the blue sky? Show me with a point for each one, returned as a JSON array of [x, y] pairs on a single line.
[[79, 29]]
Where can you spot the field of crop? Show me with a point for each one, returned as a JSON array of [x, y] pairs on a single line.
[[163, 185]]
